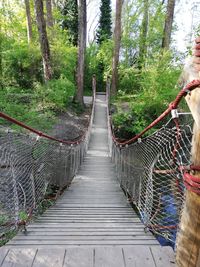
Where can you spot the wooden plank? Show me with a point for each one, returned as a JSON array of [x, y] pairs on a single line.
[[163, 256], [79, 257], [93, 224], [138, 257], [112, 257], [3, 253], [83, 233], [116, 242], [49, 258], [59, 220], [83, 237], [17, 257]]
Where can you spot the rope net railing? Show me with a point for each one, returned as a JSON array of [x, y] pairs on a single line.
[[29, 162], [151, 170]]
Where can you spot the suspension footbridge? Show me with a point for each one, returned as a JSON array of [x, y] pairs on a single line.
[[93, 222]]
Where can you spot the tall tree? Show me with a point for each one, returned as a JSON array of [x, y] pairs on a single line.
[[49, 13], [168, 24], [82, 34], [117, 41], [70, 22], [143, 33], [104, 30], [43, 39], [29, 21]]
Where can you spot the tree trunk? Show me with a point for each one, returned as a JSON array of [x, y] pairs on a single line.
[[49, 13], [43, 39], [1, 60], [29, 21], [168, 24], [143, 34], [117, 41], [188, 240], [82, 32]]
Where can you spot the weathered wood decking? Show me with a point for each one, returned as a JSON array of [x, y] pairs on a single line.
[[92, 224]]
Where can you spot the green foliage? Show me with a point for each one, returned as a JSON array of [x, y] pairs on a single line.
[[129, 79], [4, 219], [132, 40], [98, 62], [23, 94], [104, 31], [54, 95], [64, 58], [23, 216], [6, 237], [155, 90], [21, 64], [69, 10]]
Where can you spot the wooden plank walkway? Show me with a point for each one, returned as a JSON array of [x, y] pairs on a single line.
[[91, 224]]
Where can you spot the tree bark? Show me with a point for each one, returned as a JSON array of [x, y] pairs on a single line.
[[49, 13], [43, 39], [143, 34], [82, 32], [117, 41], [168, 24], [188, 240], [1, 59], [29, 21]]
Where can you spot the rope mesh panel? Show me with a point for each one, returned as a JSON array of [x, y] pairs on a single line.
[[149, 171], [28, 164]]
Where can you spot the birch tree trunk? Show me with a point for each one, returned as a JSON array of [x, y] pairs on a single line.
[[49, 13], [143, 34], [117, 41], [168, 24], [82, 32], [43, 39], [29, 21]]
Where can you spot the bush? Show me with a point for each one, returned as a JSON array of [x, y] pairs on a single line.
[[129, 79], [64, 59], [157, 82], [21, 65], [54, 95]]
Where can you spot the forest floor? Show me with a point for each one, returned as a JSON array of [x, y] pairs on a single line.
[[70, 125]]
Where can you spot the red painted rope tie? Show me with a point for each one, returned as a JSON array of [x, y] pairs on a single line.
[[192, 183], [189, 168], [173, 105]]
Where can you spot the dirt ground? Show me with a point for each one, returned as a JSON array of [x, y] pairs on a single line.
[[71, 126]]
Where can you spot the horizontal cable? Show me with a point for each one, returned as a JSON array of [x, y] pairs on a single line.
[[41, 134]]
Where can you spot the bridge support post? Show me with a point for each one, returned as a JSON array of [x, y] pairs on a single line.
[[188, 239]]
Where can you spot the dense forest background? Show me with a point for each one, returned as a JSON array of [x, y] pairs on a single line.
[[46, 64]]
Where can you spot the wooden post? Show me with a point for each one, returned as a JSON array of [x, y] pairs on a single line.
[[94, 87], [94, 84], [188, 239], [108, 84]]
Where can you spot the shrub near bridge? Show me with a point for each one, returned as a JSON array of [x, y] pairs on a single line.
[[149, 94], [24, 95]]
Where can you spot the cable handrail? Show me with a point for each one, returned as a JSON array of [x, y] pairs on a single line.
[[172, 106], [42, 134]]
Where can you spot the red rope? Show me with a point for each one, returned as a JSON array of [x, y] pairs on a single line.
[[23, 125], [192, 183], [173, 105]]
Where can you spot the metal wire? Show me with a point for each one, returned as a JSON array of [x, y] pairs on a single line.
[[150, 172], [28, 164]]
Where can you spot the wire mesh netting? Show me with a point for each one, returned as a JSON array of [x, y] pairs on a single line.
[[28, 164], [150, 172]]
